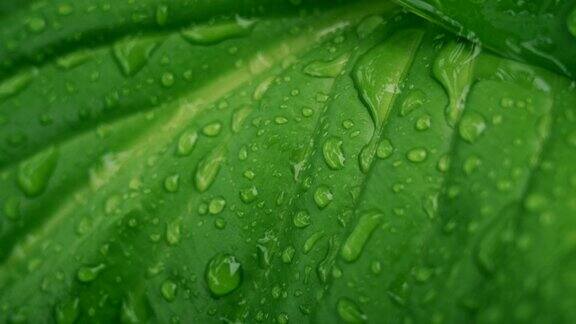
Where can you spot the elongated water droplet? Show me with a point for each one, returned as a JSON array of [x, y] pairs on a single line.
[[377, 77], [161, 15], [288, 254], [413, 100], [223, 274], [262, 88], [311, 241], [417, 155], [15, 84], [327, 69], [174, 231], [74, 59], [239, 117], [323, 196], [217, 32], [133, 53], [212, 129], [355, 243], [208, 169], [454, 68], [89, 274], [333, 154], [349, 312], [186, 143], [471, 127], [135, 309], [35, 173]]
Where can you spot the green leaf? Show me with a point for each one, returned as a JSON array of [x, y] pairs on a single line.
[[542, 32], [277, 161]]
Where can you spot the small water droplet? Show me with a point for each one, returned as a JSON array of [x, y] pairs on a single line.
[[333, 154], [74, 59], [323, 196], [161, 15], [34, 174], [471, 164], [423, 123], [216, 32], [417, 155], [223, 274], [212, 129], [36, 24], [239, 117], [356, 241], [307, 112], [301, 219], [89, 273], [216, 205], [208, 169], [311, 241], [174, 231], [288, 254], [471, 127], [171, 183], [186, 143], [249, 194], [167, 79], [413, 100], [385, 149], [169, 289]]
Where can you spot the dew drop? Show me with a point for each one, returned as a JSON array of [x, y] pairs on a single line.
[[349, 312], [67, 312], [216, 32], [333, 154], [208, 169], [216, 205], [36, 24], [174, 231], [417, 155], [167, 79], [423, 123], [34, 174], [326, 69], [323, 196], [311, 241], [301, 219], [15, 84], [355, 243], [133, 53], [169, 289], [89, 274], [186, 143], [249, 194], [223, 274], [413, 100], [385, 149], [212, 129], [471, 127], [171, 183]]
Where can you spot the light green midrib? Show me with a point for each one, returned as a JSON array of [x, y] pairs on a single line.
[[335, 20]]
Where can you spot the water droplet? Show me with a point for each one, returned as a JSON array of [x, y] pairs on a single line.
[[311, 241], [454, 67], [535, 202], [212, 129], [167, 79], [15, 84], [417, 155], [65, 9], [171, 183], [135, 309], [323, 196], [262, 88], [36, 24], [89, 274], [280, 120], [355, 243], [161, 15], [471, 164], [430, 205], [12, 208], [239, 117], [67, 312], [133, 53], [169, 289], [326, 69], [377, 77], [216, 205], [385, 149], [186, 143], [571, 22], [216, 32], [301, 219], [368, 25], [208, 169], [223, 274], [307, 112], [349, 312], [471, 127], [34, 174], [413, 100], [249, 194], [174, 231], [333, 154], [74, 59], [423, 123], [288, 254]]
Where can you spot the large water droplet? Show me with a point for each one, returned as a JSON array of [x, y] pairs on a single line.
[[171, 183], [174, 231], [327, 69], [35, 173], [417, 155], [133, 53], [311, 241], [454, 67], [471, 127], [169, 289], [349, 312], [217, 32], [355, 243], [333, 154], [74, 59], [301, 219], [413, 100], [186, 143], [223, 274]]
